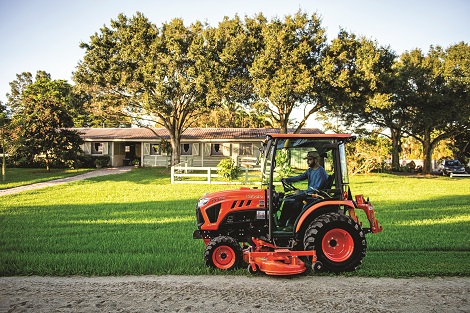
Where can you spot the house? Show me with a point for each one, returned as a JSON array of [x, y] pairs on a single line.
[[203, 147]]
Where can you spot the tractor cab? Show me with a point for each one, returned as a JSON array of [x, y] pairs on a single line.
[[284, 156]]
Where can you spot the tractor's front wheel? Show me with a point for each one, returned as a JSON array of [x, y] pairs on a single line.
[[223, 252], [339, 242]]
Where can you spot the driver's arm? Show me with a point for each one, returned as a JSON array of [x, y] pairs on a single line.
[[294, 179]]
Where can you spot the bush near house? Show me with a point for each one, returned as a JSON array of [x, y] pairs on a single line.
[[227, 169]]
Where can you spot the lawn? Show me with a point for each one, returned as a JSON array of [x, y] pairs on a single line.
[[15, 177], [138, 223]]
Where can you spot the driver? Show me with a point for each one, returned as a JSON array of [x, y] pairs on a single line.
[[316, 176], [315, 173]]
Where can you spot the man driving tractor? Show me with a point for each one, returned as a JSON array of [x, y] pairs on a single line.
[[316, 176]]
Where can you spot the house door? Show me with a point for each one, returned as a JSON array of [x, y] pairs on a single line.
[[130, 153]]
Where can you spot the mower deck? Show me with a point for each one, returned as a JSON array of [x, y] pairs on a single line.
[[272, 260]]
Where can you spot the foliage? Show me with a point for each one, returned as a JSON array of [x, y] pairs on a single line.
[[368, 154], [283, 163], [227, 169], [42, 114], [101, 226], [434, 90], [360, 74], [234, 116], [286, 70], [102, 160], [153, 75]]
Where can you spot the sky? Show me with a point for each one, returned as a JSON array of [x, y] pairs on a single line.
[[45, 34]]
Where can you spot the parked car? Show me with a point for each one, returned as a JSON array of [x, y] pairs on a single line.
[[446, 167]]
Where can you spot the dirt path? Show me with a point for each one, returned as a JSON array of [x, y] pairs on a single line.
[[96, 173], [233, 294]]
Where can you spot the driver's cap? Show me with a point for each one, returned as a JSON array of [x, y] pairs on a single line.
[[312, 155]]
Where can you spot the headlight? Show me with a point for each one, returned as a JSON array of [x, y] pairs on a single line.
[[202, 202]]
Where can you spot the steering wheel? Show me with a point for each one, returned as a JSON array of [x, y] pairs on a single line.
[[287, 186], [319, 193]]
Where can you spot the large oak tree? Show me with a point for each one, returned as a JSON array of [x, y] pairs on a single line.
[[162, 76], [434, 90]]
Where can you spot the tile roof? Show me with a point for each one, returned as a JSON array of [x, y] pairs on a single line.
[[190, 133]]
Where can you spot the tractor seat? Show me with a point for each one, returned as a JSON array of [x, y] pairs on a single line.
[[328, 182]]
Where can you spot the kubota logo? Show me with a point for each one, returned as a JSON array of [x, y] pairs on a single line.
[[254, 196]]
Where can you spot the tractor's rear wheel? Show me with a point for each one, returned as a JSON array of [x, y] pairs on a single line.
[[223, 252], [339, 242]]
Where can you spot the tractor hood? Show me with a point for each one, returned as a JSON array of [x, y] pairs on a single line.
[[238, 197]]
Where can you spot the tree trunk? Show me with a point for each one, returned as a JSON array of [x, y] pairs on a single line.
[[396, 149], [175, 149], [427, 151], [283, 124]]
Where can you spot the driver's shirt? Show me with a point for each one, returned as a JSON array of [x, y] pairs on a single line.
[[316, 178]]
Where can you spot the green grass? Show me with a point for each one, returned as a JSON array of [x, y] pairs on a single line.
[[138, 223], [15, 177]]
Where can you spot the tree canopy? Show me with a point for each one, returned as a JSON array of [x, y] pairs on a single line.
[[434, 91], [41, 120], [286, 70], [153, 75]]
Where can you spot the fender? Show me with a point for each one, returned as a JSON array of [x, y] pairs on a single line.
[[316, 206]]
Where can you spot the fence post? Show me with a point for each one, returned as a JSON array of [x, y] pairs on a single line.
[[172, 174], [209, 172], [246, 175]]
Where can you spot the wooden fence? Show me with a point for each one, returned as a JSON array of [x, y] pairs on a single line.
[[185, 173]]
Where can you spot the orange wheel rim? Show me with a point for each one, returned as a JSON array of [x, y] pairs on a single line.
[[337, 245], [223, 257]]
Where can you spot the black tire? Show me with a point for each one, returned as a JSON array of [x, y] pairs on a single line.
[[223, 252], [339, 242]]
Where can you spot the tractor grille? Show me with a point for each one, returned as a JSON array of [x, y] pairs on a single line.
[[241, 203], [199, 219], [213, 213]]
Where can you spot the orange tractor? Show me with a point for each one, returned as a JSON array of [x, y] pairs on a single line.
[[324, 232]]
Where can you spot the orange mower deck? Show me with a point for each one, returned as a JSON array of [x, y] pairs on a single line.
[[277, 261]]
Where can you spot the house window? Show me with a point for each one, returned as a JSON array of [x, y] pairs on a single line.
[[97, 148], [186, 149], [155, 149], [217, 149], [246, 149]]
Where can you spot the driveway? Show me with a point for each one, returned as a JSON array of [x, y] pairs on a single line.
[[100, 172]]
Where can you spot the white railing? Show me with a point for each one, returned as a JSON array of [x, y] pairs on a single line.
[[184, 173]]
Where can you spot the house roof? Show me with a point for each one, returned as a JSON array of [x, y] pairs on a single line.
[[189, 134]]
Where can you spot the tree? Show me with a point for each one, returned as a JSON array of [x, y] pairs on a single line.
[[4, 121], [435, 92], [40, 122], [286, 71], [160, 76], [359, 77]]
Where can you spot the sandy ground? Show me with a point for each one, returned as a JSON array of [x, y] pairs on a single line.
[[233, 294]]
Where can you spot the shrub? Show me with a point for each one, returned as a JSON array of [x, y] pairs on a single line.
[[227, 169], [102, 160]]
